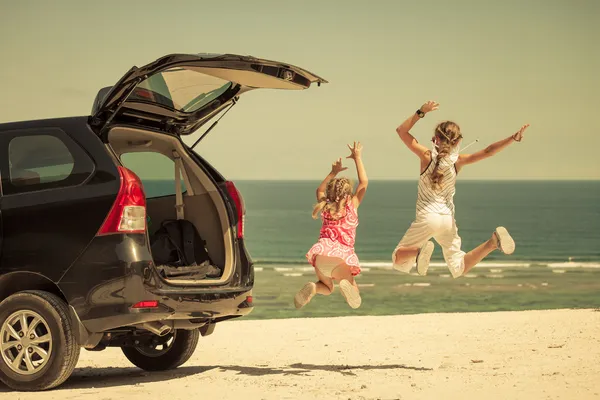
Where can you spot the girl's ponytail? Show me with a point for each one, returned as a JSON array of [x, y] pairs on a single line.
[[437, 175], [448, 135], [318, 208]]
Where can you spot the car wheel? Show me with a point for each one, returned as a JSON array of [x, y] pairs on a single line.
[[174, 350], [38, 347]]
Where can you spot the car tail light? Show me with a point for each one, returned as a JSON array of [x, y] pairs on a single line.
[[143, 93], [239, 205], [128, 213], [146, 304], [246, 303]]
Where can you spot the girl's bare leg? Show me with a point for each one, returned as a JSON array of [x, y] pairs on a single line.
[[480, 252], [348, 285], [406, 253], [421, 254], [324, 285], [342, 272]]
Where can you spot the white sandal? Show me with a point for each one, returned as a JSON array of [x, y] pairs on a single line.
[[423, 258], [350, 293], [504, 241], [305, 295]]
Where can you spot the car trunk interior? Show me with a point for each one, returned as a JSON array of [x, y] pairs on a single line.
[[203, 204]]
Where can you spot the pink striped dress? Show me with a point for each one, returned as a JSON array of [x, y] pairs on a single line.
[[337, 238]]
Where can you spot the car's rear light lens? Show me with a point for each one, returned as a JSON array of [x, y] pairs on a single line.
[[143, 93], [239, 205], [146, 304], [246, 303], [128, 213]]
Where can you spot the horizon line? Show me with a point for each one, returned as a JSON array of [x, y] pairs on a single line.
[[415, 179]]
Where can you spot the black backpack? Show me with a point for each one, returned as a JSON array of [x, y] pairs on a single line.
[[177, 244]]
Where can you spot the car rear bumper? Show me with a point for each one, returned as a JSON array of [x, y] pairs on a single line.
[[186, 311], [116, 272]]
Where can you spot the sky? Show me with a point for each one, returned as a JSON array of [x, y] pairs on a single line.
[[492, 65]]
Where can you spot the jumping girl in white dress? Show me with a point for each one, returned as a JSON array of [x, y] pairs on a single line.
[[435, 204]]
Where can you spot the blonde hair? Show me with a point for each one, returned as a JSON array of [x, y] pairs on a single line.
[[448, 135], [338, 190]]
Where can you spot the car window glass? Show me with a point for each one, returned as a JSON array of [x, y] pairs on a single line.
[[44, 161], [156, 171], [182, 89]]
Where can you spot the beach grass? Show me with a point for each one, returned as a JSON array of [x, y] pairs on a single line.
[[386, 292]]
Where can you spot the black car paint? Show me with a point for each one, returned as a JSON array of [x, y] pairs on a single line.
[[122, 273], [50, 237], [38, 224]]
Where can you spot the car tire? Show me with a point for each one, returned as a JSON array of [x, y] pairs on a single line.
[[180, 350], [48, 352]]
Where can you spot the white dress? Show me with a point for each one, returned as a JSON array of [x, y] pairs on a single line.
[[435, 216]]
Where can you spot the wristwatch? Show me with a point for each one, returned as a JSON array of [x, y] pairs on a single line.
[[420, 113]]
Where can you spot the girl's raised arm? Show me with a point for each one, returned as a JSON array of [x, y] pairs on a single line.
[[336, 168], [492, 149], [363, 181], [404, 130]]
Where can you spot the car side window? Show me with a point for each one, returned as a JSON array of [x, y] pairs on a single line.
[[156, 171], [44, 159]]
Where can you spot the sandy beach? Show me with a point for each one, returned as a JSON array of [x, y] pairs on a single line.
[[502, 355]]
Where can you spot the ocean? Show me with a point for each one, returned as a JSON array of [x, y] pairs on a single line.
[[554, 223]]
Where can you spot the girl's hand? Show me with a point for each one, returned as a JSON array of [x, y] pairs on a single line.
[[355, 151], [337, 167], [430, 106], [519, 135]]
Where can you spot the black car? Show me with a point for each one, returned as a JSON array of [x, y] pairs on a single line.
[[79, 221]]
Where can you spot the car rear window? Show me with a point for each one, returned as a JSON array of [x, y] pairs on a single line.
[[156, 171], [182, 89]]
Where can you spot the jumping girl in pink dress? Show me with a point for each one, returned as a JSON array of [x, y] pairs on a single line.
[[333, 256]]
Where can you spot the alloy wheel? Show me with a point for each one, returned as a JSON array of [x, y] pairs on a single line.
[[25, 342]]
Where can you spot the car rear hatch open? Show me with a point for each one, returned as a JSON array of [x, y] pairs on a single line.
[[179, 93]]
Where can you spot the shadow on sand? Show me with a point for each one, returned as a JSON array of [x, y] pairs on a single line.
[[301, 369], [98, 378]]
